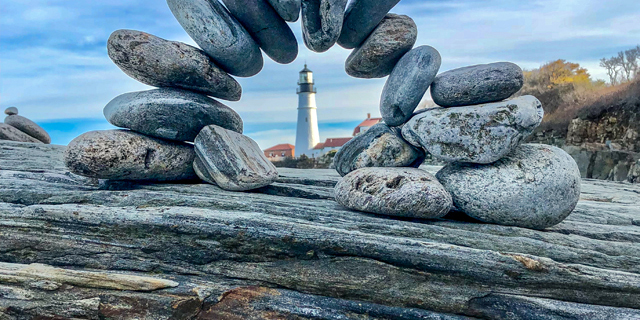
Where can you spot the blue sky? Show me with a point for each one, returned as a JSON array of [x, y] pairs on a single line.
[[54, 65]]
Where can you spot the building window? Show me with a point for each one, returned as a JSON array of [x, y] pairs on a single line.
[[271, 154], [283, 154]]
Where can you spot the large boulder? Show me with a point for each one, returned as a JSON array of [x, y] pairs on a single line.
[[127, 155], [377, 56], [170, 113], [479, 134], [380, 146], [29, 127], [234, 161], [219, 34], [404, 192], [536, 186], [161, 63]]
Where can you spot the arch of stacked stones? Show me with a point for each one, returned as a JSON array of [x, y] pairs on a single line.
[[180, 132]]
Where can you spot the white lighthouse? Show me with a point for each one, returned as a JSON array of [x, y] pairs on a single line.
[[307, 136]]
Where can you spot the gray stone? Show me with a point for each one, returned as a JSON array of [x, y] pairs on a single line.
[[404, 192], [11, 111], [232, 160], [407, 84], [266, 27], [126, 155], [170, 113], [201, 171], [536, 186], [228, 250], [380, 146], [322, 23], [29, 127], [161, 63], [361, 18], [11, 133], [376, 56], [220, 35], [289, 10], [479, 134], [477, 84]]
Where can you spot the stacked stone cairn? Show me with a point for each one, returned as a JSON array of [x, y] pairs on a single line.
[[490, 176], [20, 129]]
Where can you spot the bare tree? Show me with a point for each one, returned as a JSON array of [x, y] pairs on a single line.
[[613, 68], [624, 67]]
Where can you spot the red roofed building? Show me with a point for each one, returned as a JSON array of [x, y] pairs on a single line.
[[280, 152], [366, 124], [331, 144]]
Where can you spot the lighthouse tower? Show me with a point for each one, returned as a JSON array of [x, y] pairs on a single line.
[[307, 136]]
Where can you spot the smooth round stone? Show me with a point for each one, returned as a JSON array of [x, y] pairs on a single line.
[[220, 35], [404, 192], [29, 127], [233, 161], [127, 155], [537, 186], [482, 133], [380, 146], [322, 23], [289, 10], [11, 133], [266, 27], [11, 111], [170, 113], [378, 55], [477, 84], [361, 18], [408, 83], [161, 63]]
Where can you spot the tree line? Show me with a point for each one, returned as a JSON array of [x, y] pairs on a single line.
[[624, 67]]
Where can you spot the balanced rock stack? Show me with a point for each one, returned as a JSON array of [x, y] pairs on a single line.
[[491, 176], [21, 129]]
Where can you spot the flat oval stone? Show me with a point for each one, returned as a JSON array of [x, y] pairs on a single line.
[[266, 27], [380, 146], [127, 155], [378, 55], [482, 133], [11, 111], [322, 23], [219, 34], [170, 113], [537, 186], [289, 10], [408, 83], [161, 63], [11, 133], [234, 161], [477, 84], [404, 192], [29, 127], [201, 171], [361, 18]]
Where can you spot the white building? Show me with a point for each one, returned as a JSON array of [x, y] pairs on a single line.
[[307, 134]]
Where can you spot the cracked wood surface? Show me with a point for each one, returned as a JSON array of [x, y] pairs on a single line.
[[288, 250]]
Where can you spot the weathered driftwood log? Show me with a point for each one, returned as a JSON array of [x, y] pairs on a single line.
[[73, 247]]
